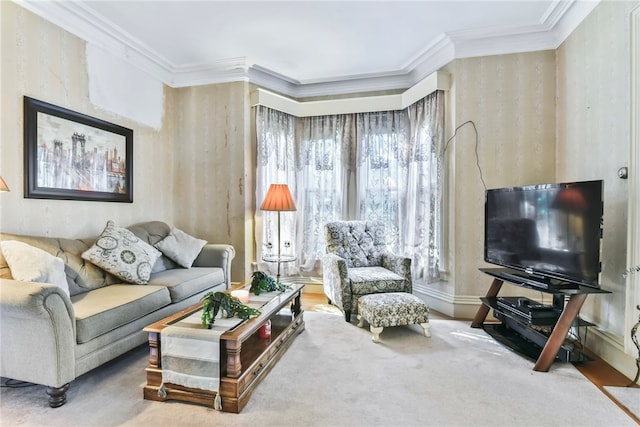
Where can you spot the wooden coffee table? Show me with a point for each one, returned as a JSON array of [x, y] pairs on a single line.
[[245, 359]]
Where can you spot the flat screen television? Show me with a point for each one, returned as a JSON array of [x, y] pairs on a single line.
[[548, 233]]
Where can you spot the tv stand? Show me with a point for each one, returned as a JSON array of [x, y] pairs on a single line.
[[520, 335]]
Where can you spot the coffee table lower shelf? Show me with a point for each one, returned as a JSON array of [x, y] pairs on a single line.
[[252, 357]]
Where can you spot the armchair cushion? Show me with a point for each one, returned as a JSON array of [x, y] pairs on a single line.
[[371, 280], [360, 243]]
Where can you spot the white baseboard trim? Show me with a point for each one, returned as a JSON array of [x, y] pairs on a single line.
[[456, 306]]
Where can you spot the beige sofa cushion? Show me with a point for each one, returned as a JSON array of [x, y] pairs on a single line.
[[105, 309], [182, 282]]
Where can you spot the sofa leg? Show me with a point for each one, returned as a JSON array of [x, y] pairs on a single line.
[[57, 395], [329, 301], [347, 316]]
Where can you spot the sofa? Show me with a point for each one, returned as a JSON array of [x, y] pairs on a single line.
[[51, 335]]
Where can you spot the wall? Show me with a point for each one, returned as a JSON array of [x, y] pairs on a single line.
[[511, 100], [214, 165], [593, 141], [45, 62], [194, 170]]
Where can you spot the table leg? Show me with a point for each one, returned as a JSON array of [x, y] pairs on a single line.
[[296, 305], [234, 364], [154, 349], [482, 312], [560, 331]]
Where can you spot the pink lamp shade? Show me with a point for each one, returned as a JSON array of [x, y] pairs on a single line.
[[278, 198]]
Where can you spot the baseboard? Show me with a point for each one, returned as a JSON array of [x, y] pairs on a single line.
[[312, 285], [610, 348], [455, 306]]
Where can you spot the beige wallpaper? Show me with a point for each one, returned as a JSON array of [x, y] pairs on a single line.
[[198, 170], [47, 63], [193, 172], [511, 100], [214, 188], [593, 135]]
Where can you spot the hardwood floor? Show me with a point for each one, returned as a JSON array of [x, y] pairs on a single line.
[[597, 371], [602, 374]]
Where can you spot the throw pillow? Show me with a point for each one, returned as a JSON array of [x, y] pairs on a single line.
[[30, 264], [181, 247], [123, 254]]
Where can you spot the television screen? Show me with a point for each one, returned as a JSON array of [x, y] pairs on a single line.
[[551, 231]]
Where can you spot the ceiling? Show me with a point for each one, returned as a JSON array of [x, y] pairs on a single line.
[[311, 48]]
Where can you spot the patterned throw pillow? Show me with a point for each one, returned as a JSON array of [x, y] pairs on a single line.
[[181, 247], [122, 254]]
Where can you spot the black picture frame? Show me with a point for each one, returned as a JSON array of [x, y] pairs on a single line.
[[72, 156]]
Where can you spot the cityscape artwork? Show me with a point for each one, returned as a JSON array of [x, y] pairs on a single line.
[[72, 156]]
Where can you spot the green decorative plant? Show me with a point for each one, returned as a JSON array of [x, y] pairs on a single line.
[[261, 282], [230, 305]]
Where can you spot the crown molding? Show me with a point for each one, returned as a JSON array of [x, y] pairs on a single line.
[[438, 80], [560, 19]]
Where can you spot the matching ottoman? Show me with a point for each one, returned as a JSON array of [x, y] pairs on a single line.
[[392, 309]]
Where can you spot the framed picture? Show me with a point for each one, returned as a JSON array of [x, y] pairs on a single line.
[[71, 156]]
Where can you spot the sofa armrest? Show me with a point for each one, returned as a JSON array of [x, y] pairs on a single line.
[[335, 281], [401, 266], [217, 255], [38, 333]]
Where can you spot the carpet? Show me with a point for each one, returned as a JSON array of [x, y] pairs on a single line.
[[334, 375], [627, 396]]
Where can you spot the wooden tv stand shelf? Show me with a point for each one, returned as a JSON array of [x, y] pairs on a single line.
[[517, 334], [245, 358]]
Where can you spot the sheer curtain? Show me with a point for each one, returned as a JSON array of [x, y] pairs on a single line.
[[422, 227], [325, 159], [392, 157], [399, 179], [275, 135], [382, 147]]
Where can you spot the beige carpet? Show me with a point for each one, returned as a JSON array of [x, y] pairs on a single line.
[[333, 375], [629, 397]]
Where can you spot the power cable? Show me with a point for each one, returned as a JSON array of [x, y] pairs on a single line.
[[455, 132]]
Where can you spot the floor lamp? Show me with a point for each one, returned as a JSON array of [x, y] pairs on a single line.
[[3, 185], [278, 199]]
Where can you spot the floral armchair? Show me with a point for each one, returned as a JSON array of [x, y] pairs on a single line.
[[357, 263]]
